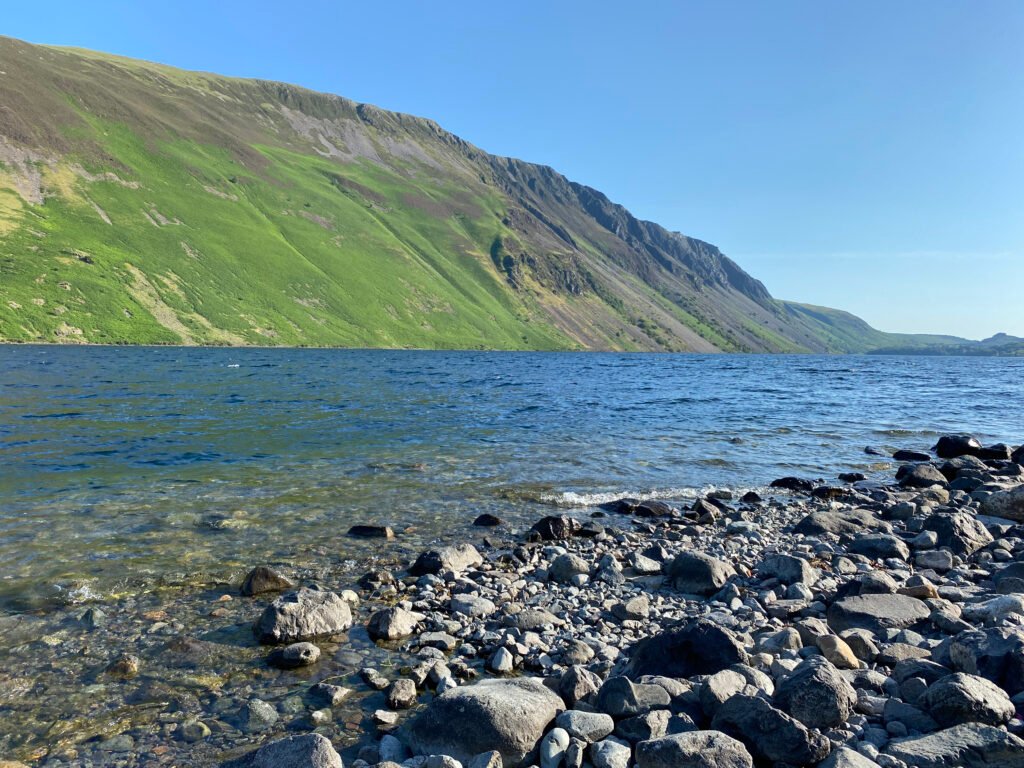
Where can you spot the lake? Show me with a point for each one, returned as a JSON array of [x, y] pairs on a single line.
[[128, 468]]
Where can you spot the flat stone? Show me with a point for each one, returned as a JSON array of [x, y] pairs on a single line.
[[695, 749], [876, 612], [962, 746]]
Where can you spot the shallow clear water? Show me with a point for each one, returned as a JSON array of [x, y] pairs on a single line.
[[122, 468]]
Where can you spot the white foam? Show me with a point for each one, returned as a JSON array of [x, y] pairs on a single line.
[[573, 499]]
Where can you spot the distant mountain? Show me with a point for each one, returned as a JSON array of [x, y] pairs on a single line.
[[145, 204]]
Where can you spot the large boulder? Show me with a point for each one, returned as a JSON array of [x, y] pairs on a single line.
[[509, 716], [876, 612], [701, 647], [960, 533], [308, 750], [303, 615], [1007, 504], [454, 557], [816, 694], [1018, 455], [951, 446], [695, 573], [961, 698], [997, 654], [392, 623], [847, 522], [770, 735], [962, 746], [696, 749]]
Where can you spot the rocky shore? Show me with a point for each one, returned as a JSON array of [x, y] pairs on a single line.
[[844, 625]]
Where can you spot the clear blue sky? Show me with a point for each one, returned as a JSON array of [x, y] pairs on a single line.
[[865, 155]]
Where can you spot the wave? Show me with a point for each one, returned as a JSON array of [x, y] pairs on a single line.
[[572, 499]]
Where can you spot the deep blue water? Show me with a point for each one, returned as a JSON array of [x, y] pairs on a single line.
[[119, 465]]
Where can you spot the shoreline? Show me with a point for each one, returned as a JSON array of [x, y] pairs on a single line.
[[576, 601]]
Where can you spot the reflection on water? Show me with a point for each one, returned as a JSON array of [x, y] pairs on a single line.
[[128, 467]]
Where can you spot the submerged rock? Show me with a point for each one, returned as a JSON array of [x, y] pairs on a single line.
[[263, 579]]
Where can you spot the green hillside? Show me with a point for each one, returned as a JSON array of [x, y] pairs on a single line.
[[144, 204]]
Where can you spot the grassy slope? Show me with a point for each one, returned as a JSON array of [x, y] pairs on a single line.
[[144, 204]]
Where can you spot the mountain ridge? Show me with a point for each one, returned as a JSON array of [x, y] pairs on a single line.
[[140, 203]]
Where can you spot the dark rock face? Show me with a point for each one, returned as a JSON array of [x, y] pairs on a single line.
[[698, 574], [1018, 455], [793, 484], [553, 528], [951, 446], [303, 615], [699, 648], [371, 532], [508, 716], [769, 734], [263, 579], [876, 612], [816, 694]]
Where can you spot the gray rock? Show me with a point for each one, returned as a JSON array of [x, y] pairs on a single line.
[[844, 757], [263, 579], [695, 573], [392, 624], [309, 750], [961, 698], [879, 546], [401, 694], [530, 619], [997, 654], [789, 570], [816, 694], [610, 754], [587, 726], [840, 523], [491, 759], [552, 748], [696, 749], [962, 746], [255, 716], [304, 615], [652, 725], [1006, 504], [509, 716], [454, 557], [294, 656], [723, 685], [577, 683], [633, 609], [621, 697], [960, 533], [876, 612], [921, 476], [768, 733], [701, 647], [473, 606], [501, 661], [565, 567]]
